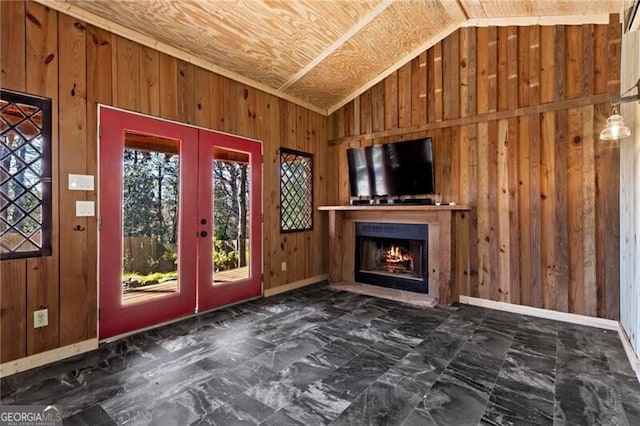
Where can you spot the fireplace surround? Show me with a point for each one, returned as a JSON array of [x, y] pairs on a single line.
[[393, 255], [449, 239]]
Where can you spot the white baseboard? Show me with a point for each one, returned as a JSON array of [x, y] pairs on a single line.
[[606, 324], [294, 285], [37, 360], [542, 313], [628, 348]]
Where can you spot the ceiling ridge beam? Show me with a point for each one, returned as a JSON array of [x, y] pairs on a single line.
[[444, 33], [458, 17], [373, 14]]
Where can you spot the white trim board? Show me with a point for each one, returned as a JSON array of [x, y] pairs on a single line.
[[403, 296], [606, 324], [542, 313], [37, 360]]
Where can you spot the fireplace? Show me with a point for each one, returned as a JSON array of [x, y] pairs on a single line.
[[392, 255]]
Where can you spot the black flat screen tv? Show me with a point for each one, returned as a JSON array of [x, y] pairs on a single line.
[[390, 170]]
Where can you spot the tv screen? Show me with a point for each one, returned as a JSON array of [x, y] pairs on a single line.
[[358, 173], [394, 169]]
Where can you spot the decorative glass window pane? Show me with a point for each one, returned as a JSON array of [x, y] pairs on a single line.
[[296, 190], [25, 175]]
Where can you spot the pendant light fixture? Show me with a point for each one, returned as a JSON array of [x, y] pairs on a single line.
[[616, 127]]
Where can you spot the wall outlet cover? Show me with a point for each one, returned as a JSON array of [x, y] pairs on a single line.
[[40, 318], [284, 266]]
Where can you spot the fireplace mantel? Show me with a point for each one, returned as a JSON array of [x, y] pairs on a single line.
[[449, 242]]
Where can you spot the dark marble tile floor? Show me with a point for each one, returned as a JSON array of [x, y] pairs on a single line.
[[318, 356]]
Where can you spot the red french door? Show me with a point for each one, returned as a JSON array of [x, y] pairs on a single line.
[[229, 165], [162, 254]]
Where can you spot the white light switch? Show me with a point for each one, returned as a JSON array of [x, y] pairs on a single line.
[[81, 182], [85, 208]]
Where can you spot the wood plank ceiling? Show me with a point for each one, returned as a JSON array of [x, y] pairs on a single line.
[[317, 53]]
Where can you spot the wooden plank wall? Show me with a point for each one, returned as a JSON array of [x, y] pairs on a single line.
[[78, 66], [515, 114], [630, 195]]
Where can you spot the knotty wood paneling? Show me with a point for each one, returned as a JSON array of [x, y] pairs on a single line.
[[418, 89], [514, 285], [186, 93], [391, 95], [202, 82], [467, 72], [42, 79], [149, 86], [13, 274], [404, 95], [503, 210], [216, 101], [534, 225], [589, 140], [522, 148], [523, 66], [99, 90], [75, 287], [168, 87], [512, 67], [534, 65], [79, 66], [434, 83], [547, 64], [12, 60], [13, 327], [548, 203], [482, 46], [451, 75], [126, 63]]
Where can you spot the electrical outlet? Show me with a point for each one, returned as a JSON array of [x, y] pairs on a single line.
[[40, 318], [284, 266]]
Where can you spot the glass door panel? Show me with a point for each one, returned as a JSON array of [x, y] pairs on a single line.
[[230, 197], [148, 221], [231, 204], [150, 201]]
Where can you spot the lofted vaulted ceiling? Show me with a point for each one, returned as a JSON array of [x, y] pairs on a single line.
[[317, 53]]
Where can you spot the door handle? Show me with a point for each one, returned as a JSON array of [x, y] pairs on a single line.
[[203, 233]]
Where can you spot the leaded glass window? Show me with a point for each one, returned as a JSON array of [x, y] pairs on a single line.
[[296, 190], [25, 175]]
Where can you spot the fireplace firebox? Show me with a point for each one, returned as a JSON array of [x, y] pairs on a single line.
[[392, 255]]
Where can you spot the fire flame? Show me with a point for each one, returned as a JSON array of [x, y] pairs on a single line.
[[394, 255]]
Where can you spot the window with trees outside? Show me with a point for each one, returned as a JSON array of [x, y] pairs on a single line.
[[25, 175], [296, 190]]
